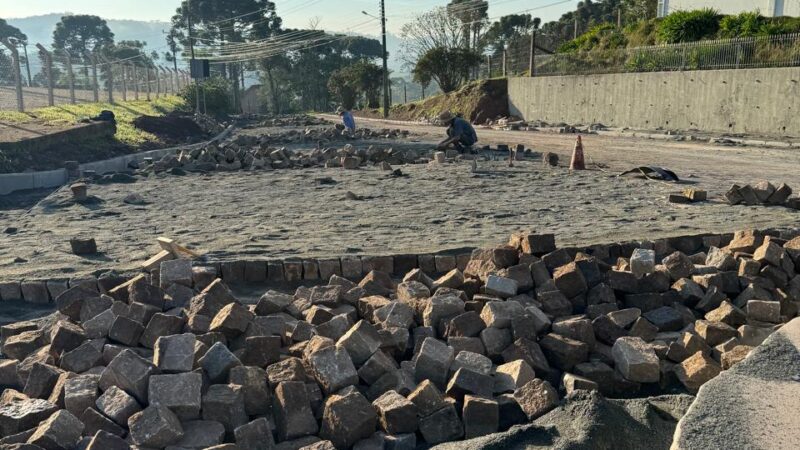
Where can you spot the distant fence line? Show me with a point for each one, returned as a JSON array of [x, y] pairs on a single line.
[[68, 79], [739, 53]]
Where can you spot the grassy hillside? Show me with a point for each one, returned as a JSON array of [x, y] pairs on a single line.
[[125, 112], [128, 139]]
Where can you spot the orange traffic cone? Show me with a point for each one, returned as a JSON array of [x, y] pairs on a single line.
[[577, 162]]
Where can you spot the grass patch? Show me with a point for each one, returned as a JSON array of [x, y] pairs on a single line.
[[125, 113]]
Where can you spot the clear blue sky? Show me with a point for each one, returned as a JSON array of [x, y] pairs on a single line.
[[335, 15]]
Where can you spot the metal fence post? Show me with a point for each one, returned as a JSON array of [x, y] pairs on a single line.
[[95, 85], [110, 83], [158, 82], [124, 82], [175, 81], [505, 63], [147, 75], [70, 76], [17, 74], [48, 67], [135, 80]]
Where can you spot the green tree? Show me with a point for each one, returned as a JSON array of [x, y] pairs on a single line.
[[635, 10], [82, 33], [447, 67], [10, 31], [363, 78], [506, 29], [473, 15]]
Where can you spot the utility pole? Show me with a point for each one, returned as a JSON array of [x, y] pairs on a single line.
[[532, 63], [575, 33], [619, 18], [191, 48], [385, 62]]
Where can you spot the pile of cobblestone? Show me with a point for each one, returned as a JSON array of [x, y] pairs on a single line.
[[172, 359]]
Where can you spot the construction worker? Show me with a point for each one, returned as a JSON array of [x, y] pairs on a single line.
[[460, 133], [348, 120]]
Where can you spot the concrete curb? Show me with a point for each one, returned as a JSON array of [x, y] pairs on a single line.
[[12, 182], [298, 270]]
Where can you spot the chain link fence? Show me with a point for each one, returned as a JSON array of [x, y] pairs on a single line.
[[50, 78], [742, 53]]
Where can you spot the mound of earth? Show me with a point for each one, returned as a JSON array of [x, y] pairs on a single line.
[[588, 421], [171, 126], [479, 101]]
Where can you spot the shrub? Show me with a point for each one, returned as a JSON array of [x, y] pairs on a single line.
[[743, 25], [688, 26], [215, 92], [604, 36]]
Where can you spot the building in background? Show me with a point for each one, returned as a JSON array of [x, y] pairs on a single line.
[[768, 8]]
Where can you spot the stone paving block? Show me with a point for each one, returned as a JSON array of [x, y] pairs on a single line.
[[293, 416], [481, 416], [275, 271], [117, 405], [255, 271], [397, 415], [635, 360], [80, 393], [60, 431], [103, 440], [329, 267], [433, 362], [256, 391], [125, 331], [563, 352], [255, 435], [427, 398], [175, 353], [224, 403], [218, 361], [24, 414], [94, 422], [696, 371], [10, 290], [536, 398], [501, 287], [201, 434], [161, 325], [41, 380], [361, 341], [129, 372], [178, 392], [155, 426], [347, 419], [467, 381], [176, 271], [442, 426], [34, 292]]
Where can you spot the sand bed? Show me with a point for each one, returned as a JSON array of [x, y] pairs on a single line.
[[287, 213]]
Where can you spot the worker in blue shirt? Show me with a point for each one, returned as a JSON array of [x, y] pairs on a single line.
[[460, 133], [348, 120]]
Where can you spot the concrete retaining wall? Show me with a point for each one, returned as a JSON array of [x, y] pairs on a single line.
[[755, 101], [12, 182]]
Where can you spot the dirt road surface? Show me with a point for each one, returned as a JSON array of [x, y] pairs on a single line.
[[287, 213]]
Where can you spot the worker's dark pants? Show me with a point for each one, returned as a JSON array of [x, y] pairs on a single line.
[[463, 144]]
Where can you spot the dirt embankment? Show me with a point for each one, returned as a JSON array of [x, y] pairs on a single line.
[[479, 101]]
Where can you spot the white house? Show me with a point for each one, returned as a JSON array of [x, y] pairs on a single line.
[[769, 8]]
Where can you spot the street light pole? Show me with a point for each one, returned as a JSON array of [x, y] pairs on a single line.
[[385, 62]]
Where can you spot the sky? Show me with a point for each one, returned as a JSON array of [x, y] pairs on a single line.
[[333, 15]]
